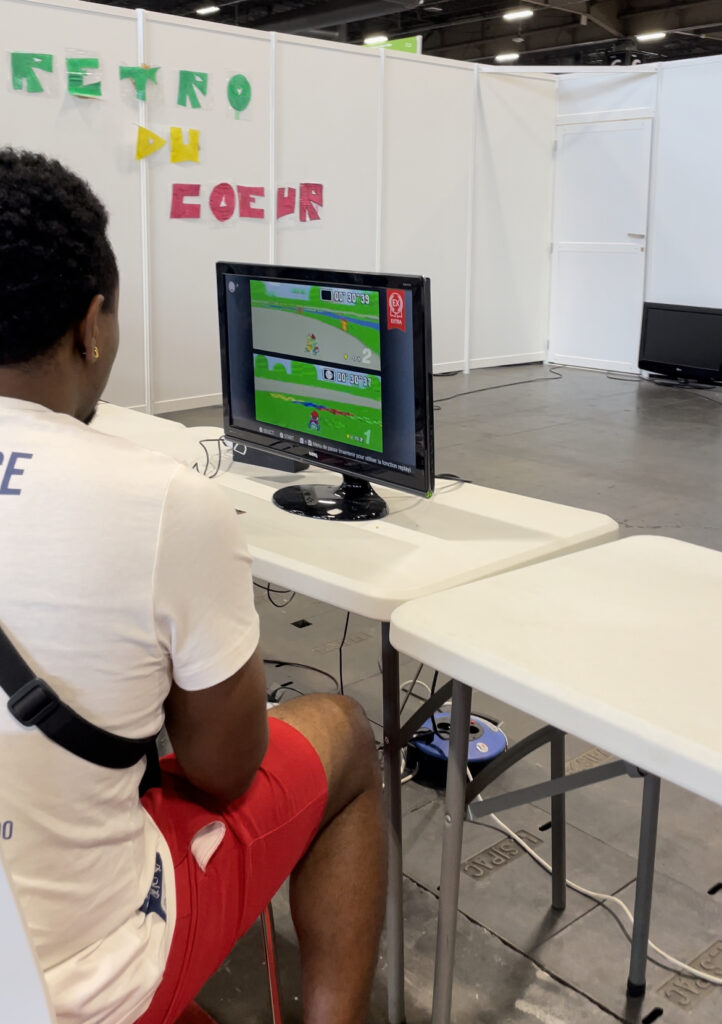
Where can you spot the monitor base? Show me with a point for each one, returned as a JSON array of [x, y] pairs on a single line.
[[352, 500]]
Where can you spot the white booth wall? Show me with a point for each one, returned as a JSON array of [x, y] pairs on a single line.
[[420, 160], [684, 265]]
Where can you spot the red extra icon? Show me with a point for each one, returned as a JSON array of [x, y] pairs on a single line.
[[396, 310]]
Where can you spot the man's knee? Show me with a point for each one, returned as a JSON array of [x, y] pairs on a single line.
[[338, 729]]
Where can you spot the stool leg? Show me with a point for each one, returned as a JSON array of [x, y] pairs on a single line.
[[269, 946], [559, 850]]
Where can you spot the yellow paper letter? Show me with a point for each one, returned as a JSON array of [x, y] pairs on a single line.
[[184, 152], [148, 142]]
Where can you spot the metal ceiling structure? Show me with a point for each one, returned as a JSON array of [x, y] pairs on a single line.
[[558, 32]]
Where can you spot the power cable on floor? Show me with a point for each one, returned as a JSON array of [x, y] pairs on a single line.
[[554, 375], [600, 898]]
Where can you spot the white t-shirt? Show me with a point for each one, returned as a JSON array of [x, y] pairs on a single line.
[[119, 571]]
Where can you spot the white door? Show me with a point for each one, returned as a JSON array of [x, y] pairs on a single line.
[[599, 243]]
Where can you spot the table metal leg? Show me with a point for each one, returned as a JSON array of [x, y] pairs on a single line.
[[637, 984], [559, 850], [454, 814], [392, 792]]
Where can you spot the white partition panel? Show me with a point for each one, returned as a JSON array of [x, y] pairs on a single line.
[[327, 105], [91, 136], [630, 91], [389, 137], [425, 209], [685, 237], [234, 151], [512, 218]]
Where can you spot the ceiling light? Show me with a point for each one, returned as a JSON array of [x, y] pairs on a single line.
[[506, 58], [207, 10], [651, 37], [376, 40], [518, 15]]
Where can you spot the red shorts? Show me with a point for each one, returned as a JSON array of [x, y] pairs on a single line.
[[268, 830]]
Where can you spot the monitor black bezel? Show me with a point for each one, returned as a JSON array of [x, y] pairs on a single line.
[[683, 370], [421, 479]]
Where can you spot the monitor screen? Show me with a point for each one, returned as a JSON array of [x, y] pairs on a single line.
[[330, 367], [681, 340]]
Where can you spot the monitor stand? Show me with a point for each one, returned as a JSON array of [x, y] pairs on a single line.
[[353, 499]]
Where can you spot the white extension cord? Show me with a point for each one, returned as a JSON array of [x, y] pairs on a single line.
[[601, 898]]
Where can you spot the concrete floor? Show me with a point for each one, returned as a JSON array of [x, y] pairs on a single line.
[[651, 458]]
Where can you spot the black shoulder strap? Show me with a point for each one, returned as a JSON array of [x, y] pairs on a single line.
[[34, 703]]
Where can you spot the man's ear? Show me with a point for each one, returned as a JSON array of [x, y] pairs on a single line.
[[87, 334]]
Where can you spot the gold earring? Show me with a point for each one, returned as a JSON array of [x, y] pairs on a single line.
[[96, 353]]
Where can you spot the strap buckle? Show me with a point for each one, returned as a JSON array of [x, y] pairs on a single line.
[[33, 702]]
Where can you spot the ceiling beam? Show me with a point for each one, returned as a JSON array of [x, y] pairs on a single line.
[[700, 14]]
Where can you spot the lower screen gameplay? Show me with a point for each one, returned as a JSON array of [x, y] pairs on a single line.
[[330, 367]]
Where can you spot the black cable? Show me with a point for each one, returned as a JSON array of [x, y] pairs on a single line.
[[276, 604], [411, 688], [299, 664], [340, 655], [555, 375], [448, 373], [453, 476]]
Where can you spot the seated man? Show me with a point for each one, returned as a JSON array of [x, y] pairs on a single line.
[[126, 585]]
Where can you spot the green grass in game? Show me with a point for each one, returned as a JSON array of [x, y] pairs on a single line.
[[361, 320], [283, 406]]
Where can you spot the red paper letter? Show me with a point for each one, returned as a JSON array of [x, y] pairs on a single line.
[[311, 196], [285, 202], [178, 206], [223, 201], [246, 197]]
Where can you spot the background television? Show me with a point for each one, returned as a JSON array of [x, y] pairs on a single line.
[[334, 368], [682, 341]]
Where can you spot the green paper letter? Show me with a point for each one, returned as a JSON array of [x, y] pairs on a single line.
[[23, 68], [188, 82], [140, 76], [239, 92], [77, 68]]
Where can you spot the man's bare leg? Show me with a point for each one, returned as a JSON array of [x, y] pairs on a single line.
[[338, 890]]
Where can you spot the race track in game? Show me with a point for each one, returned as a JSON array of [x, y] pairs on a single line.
[[313, 327], [295, 396]]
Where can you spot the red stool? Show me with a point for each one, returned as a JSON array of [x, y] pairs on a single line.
[[193, 1014]]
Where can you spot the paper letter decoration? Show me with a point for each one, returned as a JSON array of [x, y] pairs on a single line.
[[311, 197], [179, 209], [184, 152], [285, 202], [222, 201], [23, 70], [148, 142], [239, 92], [246, 197], [78, 68], [140, 77], [188, 83]]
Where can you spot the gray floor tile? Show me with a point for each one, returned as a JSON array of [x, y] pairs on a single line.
[[494, 984], [593, 953], [505, 890]]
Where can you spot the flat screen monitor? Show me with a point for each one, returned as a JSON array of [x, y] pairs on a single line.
[[333, 368], [681, 341]]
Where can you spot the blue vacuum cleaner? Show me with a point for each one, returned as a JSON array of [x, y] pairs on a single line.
[[427, 755]]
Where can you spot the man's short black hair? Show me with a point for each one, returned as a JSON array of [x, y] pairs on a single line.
[[54, 254]]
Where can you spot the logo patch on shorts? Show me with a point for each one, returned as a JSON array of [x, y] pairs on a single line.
[[155, 902]]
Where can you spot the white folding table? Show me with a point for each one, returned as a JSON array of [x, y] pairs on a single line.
[[617, 645], [423, 546]]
